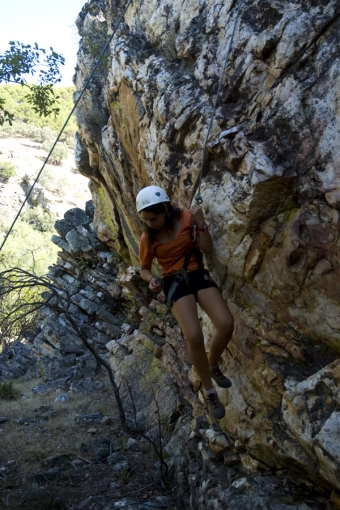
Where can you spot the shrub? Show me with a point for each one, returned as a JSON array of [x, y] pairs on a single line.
[[36, 133], [62, 186], [29, 248], [5, 219], [47, 145], [48, 134], [8, 392], [40, 220], [60, 152], [48, 180], [69, 137], [7, 169]]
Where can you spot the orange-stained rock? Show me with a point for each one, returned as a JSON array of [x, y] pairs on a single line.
[[270, 190]]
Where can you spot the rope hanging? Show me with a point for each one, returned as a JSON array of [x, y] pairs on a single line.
[[65, 124], [198, 196]]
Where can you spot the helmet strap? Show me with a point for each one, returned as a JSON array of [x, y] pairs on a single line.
[[166, 209]]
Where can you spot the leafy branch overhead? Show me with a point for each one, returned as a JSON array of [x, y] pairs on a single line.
[[22, 60]]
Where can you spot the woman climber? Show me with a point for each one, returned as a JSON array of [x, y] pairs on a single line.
[[168, 237]]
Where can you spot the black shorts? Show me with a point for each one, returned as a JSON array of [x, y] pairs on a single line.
[[199, 280]]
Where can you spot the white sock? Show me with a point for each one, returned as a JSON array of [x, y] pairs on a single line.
[[209, 392]]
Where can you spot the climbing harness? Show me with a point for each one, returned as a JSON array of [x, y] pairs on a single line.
[[183, 273], [65, 124], [198, 196]]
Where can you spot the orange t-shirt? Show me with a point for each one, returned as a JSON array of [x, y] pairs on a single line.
[[170, 255]]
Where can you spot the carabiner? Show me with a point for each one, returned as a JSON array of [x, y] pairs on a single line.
[[199, 199]]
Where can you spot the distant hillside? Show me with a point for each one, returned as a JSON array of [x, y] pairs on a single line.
[[60, 188], [24, 114]]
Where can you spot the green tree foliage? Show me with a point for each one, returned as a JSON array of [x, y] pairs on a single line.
[[29, 247], [26, 122], [22, 60], [39, 220]]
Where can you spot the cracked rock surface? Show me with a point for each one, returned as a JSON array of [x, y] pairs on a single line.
[[287, 458], [271, 189]]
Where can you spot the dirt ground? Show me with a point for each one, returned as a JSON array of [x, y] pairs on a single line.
[[28, 157], [39, 434]]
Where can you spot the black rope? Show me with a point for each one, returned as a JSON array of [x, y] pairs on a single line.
[[198, 196], [149, 505], [65, 123]]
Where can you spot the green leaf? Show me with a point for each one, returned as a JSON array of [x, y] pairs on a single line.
[[20, 60]]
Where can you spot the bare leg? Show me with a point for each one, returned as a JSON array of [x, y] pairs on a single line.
[[212, 302], [185, 313]]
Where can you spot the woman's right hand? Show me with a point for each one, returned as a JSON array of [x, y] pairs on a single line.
[[155, 285]]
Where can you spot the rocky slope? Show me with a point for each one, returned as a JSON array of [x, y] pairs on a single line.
[[210, 466]]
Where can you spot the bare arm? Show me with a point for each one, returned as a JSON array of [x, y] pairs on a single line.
[[204, 240], [154, 283]]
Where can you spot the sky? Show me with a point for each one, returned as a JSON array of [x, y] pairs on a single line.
[[46, 23]]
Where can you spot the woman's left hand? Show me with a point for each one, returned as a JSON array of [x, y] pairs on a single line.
[[155, 285], [198, 215]]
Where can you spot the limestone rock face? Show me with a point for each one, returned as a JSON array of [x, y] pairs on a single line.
[[312, 413], [270, 188]]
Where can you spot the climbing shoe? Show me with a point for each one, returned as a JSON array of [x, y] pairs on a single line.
[[219, 378], [214, 405]]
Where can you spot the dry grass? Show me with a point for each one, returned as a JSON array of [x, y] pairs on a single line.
[[26, 442], [31, 441], [37, 427], [27, 159]]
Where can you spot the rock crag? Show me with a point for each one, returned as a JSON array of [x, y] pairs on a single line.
[[213, 465], [270, 190], [271, 196], [287, 457]]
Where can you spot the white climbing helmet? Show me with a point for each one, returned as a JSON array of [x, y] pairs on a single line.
[[150, 195]]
